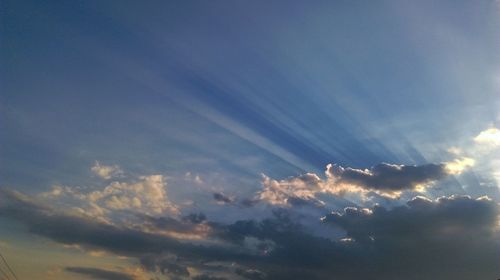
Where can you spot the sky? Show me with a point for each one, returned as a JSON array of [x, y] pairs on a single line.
[[211, 140]]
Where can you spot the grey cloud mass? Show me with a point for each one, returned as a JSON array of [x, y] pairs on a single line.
[[389, 177], [222, 198], [449, 238]]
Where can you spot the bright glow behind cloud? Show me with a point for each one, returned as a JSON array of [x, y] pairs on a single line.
[[490, 137]]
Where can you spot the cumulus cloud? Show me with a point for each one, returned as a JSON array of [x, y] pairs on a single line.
[[284, 192], [457, 166], [99, 274], [388, 177], [458, 216], [449, 238], [483, 153], [146, 195], [387, 180], [490, 136], [375, 238], [106, 171]]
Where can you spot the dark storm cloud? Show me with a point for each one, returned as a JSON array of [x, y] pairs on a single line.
[[99, 274], [450, 238], [389, 177]]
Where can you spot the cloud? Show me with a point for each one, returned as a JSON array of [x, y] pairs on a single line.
[[449, 238], [208, 277], [193, 178], [388, 177], [147, 195], [190, 227], [128, 240], [106, 171], [387, 180], [457, 166], [490, 137], [252, 274], [164, 265], [222, 198], [99, 274], [283, 192]]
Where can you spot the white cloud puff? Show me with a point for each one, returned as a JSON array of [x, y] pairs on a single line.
[[106, 171], [147, 195], [281, 192], [490, 137]]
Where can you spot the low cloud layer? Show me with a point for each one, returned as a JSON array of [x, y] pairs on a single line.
[[99, 274], [388, 177], [449, 238], [136, 219]]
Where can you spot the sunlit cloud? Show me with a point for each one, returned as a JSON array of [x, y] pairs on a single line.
[[457, 166], [490, 137], [386, 180], [146, 194], [106, 171]]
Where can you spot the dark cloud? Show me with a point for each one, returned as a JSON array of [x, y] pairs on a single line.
[[389, 177], [222, 198], [251, 274], [68, 229], [188, 224], [195, 218], [208, 277], [100, 274], [163, 265], [450, 238], [248, 202]]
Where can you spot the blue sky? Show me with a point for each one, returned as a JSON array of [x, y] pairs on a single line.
[[238, 99]]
